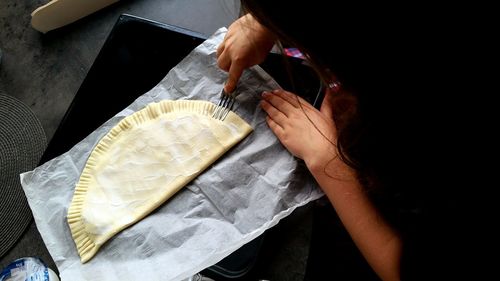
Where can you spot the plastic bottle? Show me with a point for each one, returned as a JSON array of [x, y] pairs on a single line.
[[28, 269]]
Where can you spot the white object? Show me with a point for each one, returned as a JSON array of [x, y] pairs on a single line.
[[28, 268], [58, 13], [256, 184]]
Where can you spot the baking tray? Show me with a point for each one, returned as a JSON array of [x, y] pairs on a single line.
[[136, 56]]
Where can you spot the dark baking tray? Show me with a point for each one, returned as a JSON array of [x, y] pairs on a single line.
[[137, 54]]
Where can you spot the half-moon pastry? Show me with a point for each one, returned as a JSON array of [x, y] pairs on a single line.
[[144, 160]]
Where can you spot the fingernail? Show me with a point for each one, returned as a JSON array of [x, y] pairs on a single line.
[[228, 87], [265, 93], [276, 91]]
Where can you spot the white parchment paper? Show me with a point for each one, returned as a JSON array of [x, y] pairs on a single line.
[[248, 190]]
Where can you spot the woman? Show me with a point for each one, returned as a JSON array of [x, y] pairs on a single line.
[[369, 146]]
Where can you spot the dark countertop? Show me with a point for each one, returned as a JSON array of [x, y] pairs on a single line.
[[46, 72]]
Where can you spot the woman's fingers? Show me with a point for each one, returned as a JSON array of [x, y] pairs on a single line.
[[275, 127], [300, 127], [289, 97], [294, 100], [279, 102], [235, 71], [224, 61], [278, 117], [221, 48]]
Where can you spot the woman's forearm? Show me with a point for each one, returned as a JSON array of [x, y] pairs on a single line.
[[376, 239], [290, 118]]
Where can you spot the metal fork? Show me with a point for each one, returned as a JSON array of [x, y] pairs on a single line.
[[225, 105]]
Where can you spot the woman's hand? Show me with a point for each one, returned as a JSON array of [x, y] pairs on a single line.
[[307, 133], [246, 43]]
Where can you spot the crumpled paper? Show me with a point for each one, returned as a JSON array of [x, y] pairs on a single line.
[[248, 190]]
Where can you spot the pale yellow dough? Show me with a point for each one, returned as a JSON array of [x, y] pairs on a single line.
[[142, 162]]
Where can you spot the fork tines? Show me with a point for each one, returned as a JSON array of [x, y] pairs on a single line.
[[225, 105]]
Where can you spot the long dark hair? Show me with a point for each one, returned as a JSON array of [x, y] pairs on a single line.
[[368, 50], [409, 69]]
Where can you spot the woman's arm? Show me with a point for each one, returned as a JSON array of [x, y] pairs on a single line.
[[310, 135], [246, 43], [377, 241]]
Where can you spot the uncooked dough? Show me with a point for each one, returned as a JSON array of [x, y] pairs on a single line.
[[144, 160]]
